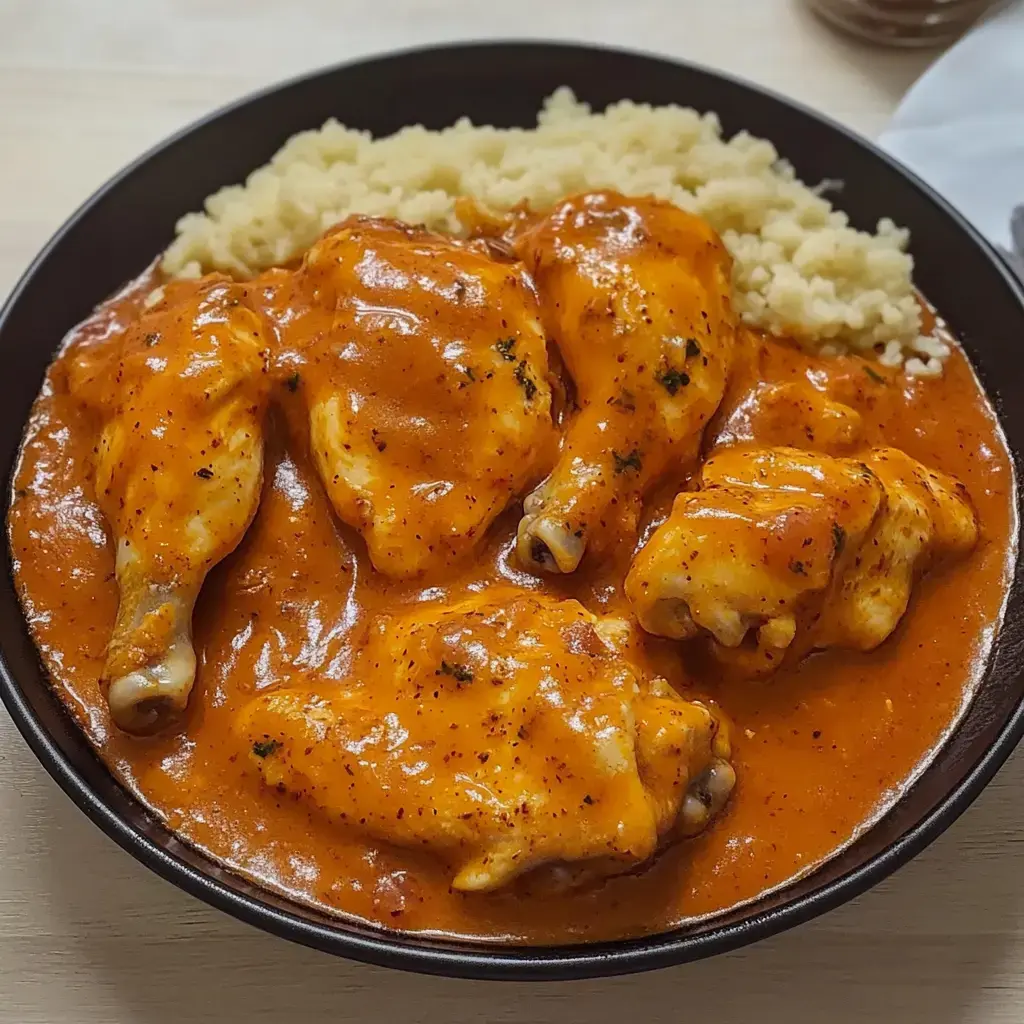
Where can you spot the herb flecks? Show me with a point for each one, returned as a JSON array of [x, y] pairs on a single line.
[[204, 473], [292, 383], [151, 339], [692, 348], [526, 382], [874, 375], [672, 380], [506, 349], [798, 567], [459, 673], [264, 748], [627, 462]]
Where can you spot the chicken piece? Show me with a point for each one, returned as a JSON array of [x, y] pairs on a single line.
[[635, 293], [424, 366], [745, 551], [799, 412], [180, 398], [928, 517], [790, 413], [503, 733], [781, 552]]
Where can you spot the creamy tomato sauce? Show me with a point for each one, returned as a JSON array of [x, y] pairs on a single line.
[[819, 749]]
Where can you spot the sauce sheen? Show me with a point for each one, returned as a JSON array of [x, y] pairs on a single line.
[[819, 749]]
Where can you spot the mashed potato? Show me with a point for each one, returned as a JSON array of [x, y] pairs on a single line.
[[800, 269]]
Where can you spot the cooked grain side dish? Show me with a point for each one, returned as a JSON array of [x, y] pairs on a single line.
[[541, 536], [798, 269]]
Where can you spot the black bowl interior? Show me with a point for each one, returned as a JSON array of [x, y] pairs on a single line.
[[120, 229]]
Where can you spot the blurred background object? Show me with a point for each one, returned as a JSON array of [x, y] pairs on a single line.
[[961, 125], [903, 22]]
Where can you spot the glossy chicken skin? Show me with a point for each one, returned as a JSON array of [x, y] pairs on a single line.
[[927, 518], [179, 398], [635, 292], [783, 551], [791, 413], [803, 411], [504, 733], [423, 365]]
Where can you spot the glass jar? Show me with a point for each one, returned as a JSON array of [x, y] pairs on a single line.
[[903, 22]]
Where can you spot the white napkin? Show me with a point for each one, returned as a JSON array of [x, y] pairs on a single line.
[[961, 126]]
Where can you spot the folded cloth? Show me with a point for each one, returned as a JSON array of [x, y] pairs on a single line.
[[961, 126]]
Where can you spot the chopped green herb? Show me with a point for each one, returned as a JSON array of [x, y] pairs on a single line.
[[292, 383], [506, 347], [672, 380], [798, 567], [468, 371], [526, 382], [692, 348], [875, 376], [263, 748], [838, 538], [151, 339], [630, 461], [460, 673], [204, 473]]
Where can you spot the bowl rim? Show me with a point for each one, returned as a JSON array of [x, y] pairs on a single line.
[[409, 951]]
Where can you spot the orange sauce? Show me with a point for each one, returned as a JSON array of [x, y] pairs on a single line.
[[819, 749]]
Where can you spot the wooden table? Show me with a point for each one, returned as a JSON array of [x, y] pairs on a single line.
[[86, 933]]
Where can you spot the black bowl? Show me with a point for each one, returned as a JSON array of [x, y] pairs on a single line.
[[119, 230]]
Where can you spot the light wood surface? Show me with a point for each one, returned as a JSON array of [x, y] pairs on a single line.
[[86, 933]]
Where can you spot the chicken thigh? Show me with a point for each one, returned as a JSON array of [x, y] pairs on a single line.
[[792, 413], [783, 551], [635, 292], [503, 733], [424, 367], [776, 397], [180, 398]]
